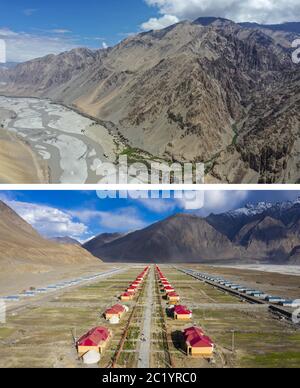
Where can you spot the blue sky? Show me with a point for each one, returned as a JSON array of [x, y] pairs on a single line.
[[82, 214], [36, 27]]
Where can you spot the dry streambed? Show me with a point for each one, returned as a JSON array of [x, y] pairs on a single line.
[[72, 145]]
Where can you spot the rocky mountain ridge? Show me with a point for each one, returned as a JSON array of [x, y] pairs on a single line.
[[258, 232], [209, 91]]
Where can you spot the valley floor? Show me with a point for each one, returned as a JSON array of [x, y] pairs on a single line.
[[22, 277], [41, 334], [70, 144], [293, 270]]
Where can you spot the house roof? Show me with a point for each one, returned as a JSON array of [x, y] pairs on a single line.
[[116, 309], [127, 294], [173, 294], [182, 310], [193, 330], [195, 337], [201, 342], [131, 289], [94, 337]]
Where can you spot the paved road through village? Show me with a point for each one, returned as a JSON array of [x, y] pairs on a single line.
[[145, 348]]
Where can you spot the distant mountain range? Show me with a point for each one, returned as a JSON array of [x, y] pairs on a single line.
[[262, 232], [98, 242], [8, 65], [210, 91], [293, 27]]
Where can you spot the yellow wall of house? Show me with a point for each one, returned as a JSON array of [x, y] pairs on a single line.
[[180, 317], [200, 352], [174, 300], [82, 350], [109, 316]]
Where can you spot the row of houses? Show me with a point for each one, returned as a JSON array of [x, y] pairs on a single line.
[[247, 291], [92, 344], [35, 292], [195, 342], [178, 311], [134, 287]]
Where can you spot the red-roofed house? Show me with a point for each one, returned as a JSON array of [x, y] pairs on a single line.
[[115, 311], [169, 289], [173, 297], [127, 296], [197, 344], [96, 339], [132, 289], [182, 313]]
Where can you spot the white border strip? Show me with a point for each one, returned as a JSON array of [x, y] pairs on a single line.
[[142, 187]]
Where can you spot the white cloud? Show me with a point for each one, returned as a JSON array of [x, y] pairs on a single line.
[[118, 220], [122, 220], [261, 11], [22, 46], [213, 201], [158, 205], [29, 11], [61, 31], [104, 45], [190, 200], [159, 23], [49, 221]]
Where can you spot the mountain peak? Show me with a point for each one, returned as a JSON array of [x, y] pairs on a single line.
[[208, 20]]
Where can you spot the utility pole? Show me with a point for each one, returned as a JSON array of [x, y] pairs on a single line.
[[73, 331]]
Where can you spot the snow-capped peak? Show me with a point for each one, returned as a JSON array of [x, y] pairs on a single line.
[[252, 209]]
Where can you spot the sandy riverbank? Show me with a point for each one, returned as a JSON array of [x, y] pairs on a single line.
[[18, 163]]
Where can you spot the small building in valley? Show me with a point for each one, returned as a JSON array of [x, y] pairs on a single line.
[[197, 344], [132, 289], [127, 296], [173, 297], [169, 289], [182, 313], [95, 340], [115, 311]]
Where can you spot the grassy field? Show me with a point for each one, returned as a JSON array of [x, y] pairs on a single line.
[[259, 339], [41, 335]]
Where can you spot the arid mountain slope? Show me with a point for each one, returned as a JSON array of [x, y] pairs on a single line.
[[210, 91], [20, 243], [65, 240], [263, 232], [232, 222], [179, 238], [94, 244]]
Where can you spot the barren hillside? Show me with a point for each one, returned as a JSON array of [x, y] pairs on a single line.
[[210, 91]]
